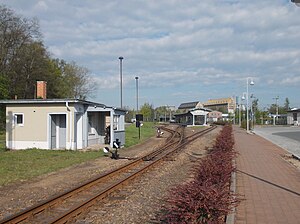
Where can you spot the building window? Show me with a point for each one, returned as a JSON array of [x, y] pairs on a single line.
[[295, 116], [19, 119], [116, 122], [90, 125]]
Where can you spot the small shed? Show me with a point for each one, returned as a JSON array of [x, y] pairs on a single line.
[[193, 117], [293, 117], [214, 116], [62, 124]]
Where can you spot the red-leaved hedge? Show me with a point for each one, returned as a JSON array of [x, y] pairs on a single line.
[[206, 199]]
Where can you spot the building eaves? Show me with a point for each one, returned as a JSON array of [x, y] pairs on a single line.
[[49, 101], [294, 110], [58, 101]]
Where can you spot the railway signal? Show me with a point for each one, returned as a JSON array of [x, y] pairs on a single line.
[[114, 153]]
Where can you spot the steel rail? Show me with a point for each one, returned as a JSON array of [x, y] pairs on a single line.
[[80, 207], [43, 205]]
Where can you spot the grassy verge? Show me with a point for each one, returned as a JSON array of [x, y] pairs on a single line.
[[132, 133], [2, 141], [26, 164]]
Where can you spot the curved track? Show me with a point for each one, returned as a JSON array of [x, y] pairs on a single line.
[[66, 206]]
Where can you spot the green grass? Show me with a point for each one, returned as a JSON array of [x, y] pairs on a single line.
[[132, 133], [26, 164], [2, 141], [22, 165]]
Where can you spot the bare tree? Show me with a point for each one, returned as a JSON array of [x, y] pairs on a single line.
[[78, 81]]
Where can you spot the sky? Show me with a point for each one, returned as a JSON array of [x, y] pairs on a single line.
[[182, 51]]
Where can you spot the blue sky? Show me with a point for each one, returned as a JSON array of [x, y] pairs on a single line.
[[182, 51]]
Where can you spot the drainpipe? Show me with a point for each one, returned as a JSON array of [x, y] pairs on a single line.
[[112, 136], [70, 123], [67, 106]]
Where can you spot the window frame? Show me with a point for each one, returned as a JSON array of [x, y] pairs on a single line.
[[15, 119]]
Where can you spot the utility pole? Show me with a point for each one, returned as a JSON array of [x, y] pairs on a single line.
[[276, 98], [121, 81]]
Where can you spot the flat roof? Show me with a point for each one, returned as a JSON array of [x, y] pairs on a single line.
[[53, 101]]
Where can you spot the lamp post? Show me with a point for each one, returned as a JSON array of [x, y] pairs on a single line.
[[137, 93], [276, 104], [252, 110], [240, 111], [121, 58], [297, 2], [241, 106], [247, 98]]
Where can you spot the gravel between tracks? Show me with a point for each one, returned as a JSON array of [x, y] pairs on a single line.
[[138, 203]]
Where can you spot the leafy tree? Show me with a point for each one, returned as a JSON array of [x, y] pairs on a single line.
[[24, 60], [3, 87], [160, 111], [77, 83], [130, 114], [272, 109], [33, 65], [287, 104], [147, 111], [15, 35]]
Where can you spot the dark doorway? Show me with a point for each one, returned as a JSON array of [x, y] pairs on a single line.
[[58, 131]]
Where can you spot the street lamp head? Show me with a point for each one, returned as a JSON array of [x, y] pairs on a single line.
[[136, 77], [244, 95], [297, 2], [251, 83], [121, 58]]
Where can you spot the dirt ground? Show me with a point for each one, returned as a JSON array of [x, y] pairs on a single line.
[[138, 203], [141, 202]]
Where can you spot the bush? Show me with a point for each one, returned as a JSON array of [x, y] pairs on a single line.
[[206, 199]]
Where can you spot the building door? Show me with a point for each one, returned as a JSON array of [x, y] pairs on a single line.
[[58, 131], [78, 131]]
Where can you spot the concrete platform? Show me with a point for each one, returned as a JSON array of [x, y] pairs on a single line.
[[268, 184], [287, 138]]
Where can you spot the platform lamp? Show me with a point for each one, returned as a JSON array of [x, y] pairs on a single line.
[[297, 2], [247, 98], [121, 81], [242, 99]]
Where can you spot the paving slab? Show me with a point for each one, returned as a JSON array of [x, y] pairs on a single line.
[[268, 184], [287, 138]]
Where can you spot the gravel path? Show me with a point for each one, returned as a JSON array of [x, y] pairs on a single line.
[[138, 203], [142, 201]]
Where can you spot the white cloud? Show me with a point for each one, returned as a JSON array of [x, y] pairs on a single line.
[[40, 6], [175, 43]]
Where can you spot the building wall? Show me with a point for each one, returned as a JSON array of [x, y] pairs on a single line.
[[35, 129], [290, 118], [228, 104]]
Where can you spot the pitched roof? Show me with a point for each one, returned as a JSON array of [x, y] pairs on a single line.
[[189, 105], [294, 110]]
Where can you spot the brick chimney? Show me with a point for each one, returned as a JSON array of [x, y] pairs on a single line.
[[41, 90]]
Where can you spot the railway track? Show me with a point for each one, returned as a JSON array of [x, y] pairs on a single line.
[[70, 204]]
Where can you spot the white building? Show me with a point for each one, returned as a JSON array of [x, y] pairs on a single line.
[[293, 117], [62, 124]]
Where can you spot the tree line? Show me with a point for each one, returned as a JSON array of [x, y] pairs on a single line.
[[24, 59]]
